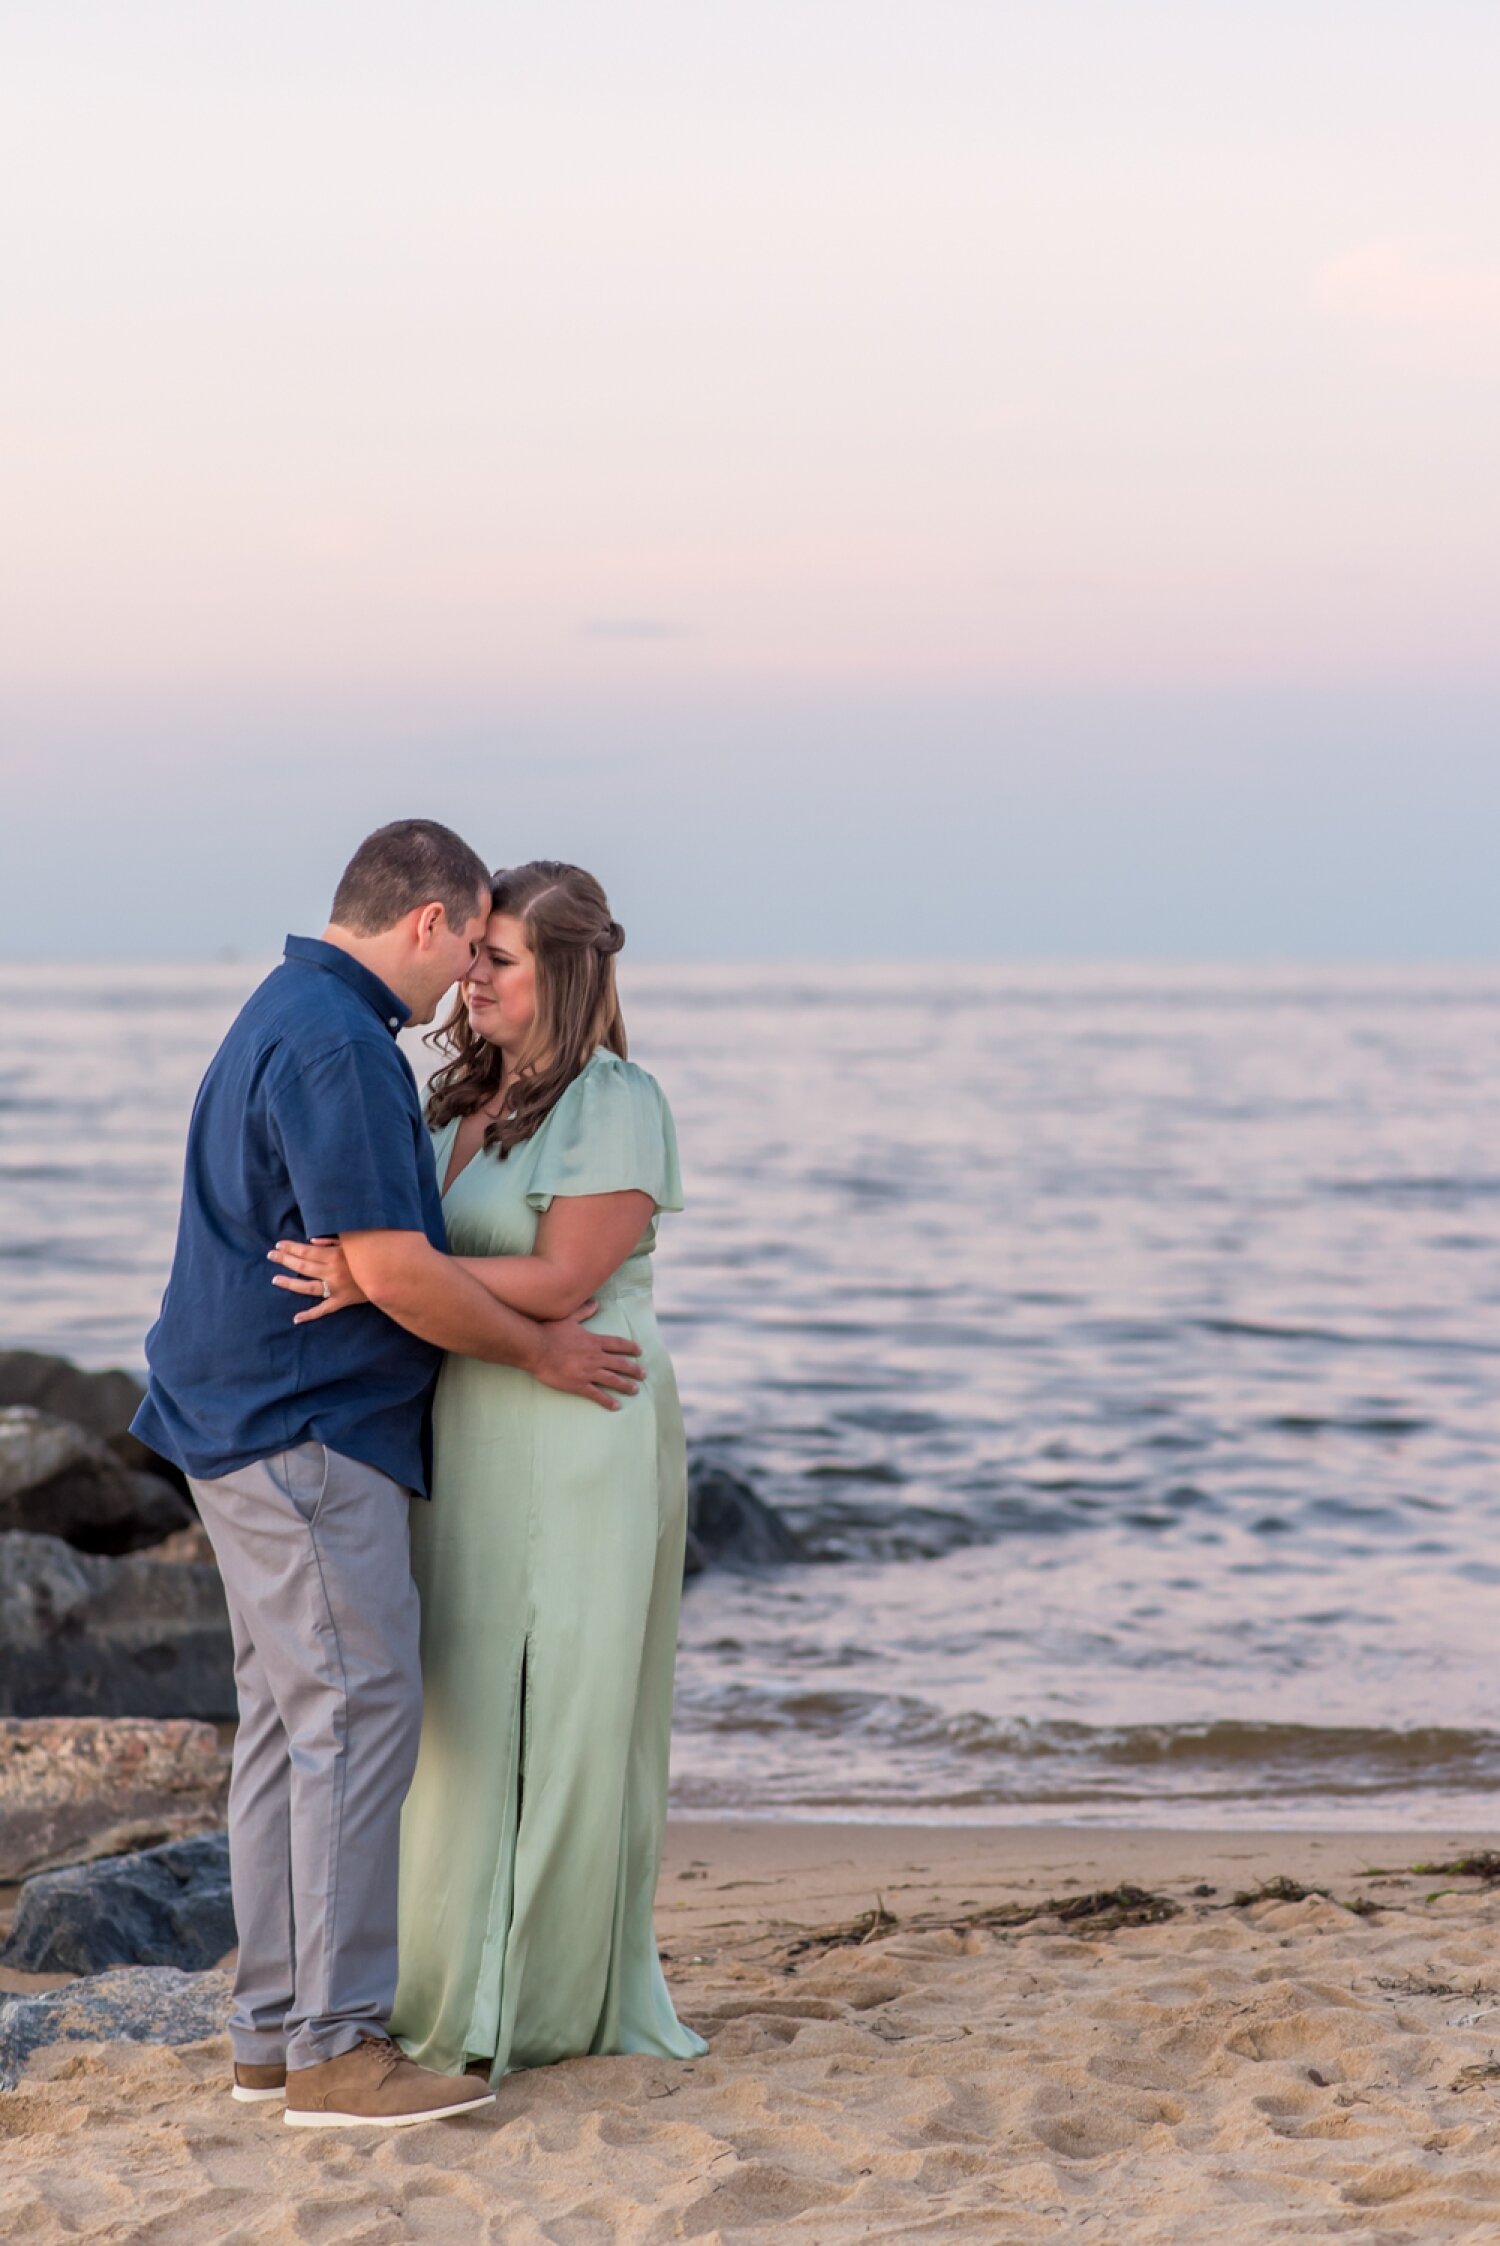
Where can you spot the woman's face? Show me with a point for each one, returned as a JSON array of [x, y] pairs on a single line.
[[500, 987]]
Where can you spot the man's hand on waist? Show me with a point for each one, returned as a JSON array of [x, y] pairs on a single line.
[[603, 1367]]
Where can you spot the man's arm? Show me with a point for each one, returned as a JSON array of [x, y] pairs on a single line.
[[425, 1291]]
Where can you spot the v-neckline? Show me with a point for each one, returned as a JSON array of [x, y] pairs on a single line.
[[451, 1182], [450, 1178]]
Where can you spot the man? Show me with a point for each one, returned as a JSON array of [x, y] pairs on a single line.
[[304, 1444]]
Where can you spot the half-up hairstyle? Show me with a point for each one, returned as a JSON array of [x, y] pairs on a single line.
[[573, 940]]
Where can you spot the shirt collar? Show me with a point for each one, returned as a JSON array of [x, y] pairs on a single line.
[[311, 951]]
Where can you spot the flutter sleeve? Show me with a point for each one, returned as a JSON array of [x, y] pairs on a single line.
[[611, 1132]]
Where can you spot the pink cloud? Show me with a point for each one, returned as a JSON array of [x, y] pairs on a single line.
[[1445, 313]]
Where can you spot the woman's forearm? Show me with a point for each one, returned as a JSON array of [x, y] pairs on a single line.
[[526, 1283], [581, 1241]]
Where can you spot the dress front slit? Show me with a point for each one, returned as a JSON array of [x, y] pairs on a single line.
[[483, 2032]]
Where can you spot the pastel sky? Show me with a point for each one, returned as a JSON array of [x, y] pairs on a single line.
[[960, 480]]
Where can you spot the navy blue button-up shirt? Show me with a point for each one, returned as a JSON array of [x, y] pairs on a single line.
[[307, 1122]]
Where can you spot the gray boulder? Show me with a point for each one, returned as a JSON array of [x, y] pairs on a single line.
[[104, 1403], [81, 1635], [165, 1906], [143, 2004], [729, 1526], [57, 1479]]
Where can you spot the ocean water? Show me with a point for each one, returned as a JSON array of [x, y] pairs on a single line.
[[1124, 1344]]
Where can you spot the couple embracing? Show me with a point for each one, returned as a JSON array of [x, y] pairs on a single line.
[[498, 1659]]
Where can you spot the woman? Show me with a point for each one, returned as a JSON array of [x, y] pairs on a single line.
[[550, 1560]]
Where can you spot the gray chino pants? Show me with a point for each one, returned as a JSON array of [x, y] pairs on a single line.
[[315, 1555]]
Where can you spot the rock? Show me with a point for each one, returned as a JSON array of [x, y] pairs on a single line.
[[57, 1479], [165, 1906], [81, 1635], [144, 2004], [729, 1526], [104, 1403], [73, 1787]]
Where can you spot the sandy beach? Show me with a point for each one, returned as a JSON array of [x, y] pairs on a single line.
[[1237, 2071]]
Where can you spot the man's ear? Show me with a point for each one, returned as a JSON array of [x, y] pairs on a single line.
[[430, 921]]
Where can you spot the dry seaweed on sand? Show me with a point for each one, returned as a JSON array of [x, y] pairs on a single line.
[[1278, 1890], [1098, 1911], [1472, 2078], [1483, 1864], [868, 1926], [1423, 1984], [1284, 1890]]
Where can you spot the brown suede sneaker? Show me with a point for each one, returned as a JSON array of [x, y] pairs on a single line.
[[375, 2086], [254, 2085]]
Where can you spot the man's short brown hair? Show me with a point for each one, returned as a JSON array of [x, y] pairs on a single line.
[[411, 862]]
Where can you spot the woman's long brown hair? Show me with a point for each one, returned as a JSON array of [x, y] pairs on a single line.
[[573, 940]]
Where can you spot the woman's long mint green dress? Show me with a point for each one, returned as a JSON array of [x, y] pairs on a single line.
[[550, 1569]]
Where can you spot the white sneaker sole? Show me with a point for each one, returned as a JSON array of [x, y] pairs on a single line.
[[295, 2119], [255, 2097]]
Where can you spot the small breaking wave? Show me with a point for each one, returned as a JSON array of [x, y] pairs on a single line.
[[899, 1748]]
